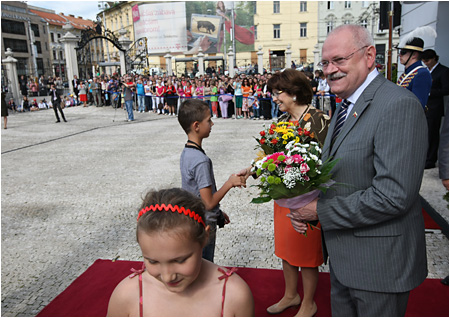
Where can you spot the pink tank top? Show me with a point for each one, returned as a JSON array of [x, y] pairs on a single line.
[[226, 275]]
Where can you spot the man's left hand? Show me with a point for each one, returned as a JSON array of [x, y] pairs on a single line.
[[308, 212]]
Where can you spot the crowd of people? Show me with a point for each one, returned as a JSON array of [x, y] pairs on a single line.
[[240, 97]]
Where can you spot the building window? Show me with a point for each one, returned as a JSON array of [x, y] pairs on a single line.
[[364, 23], [38, 47], [330, 5], [303, 33], [14, 27], [347, 22], [59, 36], [61, 57], [303, 6], [40, 66], [52, 36], [347, 4], [276, 7], [35, 29], [256, 32], [276, 31], [330, 26], [22, 66], [54, 55], [15, 45]]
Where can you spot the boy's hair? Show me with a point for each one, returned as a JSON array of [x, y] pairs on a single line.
[[165, 221], [191, 110]]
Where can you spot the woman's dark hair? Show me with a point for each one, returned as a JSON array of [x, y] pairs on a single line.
[[162, 221], [294, 83], [192, 110]]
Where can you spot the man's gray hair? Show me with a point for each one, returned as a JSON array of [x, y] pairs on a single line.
[[361, 35]]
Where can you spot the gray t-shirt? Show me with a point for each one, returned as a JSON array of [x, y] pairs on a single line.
[[197, 173]]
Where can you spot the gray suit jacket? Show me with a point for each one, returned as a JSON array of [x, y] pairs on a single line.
[[372, 225]]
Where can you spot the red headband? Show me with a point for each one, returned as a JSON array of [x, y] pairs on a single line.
[[175, 208]]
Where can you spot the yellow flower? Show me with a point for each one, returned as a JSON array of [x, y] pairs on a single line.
[[285, 136], [284, 142], [297, 140]]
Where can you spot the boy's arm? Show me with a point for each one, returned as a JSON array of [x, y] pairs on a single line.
[[211, 200]]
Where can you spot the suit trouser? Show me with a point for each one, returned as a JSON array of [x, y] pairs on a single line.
[[55, 108], [434, 118], [350, 302], [97, 97]]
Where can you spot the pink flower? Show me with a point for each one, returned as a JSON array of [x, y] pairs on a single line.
[[304, 168], [298, 158], [289, 160], [286, 170]]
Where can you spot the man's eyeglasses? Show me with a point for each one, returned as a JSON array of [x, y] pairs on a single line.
[[276, 94], [339, 61]]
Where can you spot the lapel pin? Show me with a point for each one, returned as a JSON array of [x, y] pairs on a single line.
[[355, 114]]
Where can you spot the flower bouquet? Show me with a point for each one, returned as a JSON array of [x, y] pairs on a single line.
[[292, 172]]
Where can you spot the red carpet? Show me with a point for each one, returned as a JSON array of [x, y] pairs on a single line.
[[89, 294], [430, 224]]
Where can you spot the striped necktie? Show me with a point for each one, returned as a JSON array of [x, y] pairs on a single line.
[[342, 115]]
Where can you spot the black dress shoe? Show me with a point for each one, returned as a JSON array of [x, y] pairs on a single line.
[[57, 121], [65, 121]]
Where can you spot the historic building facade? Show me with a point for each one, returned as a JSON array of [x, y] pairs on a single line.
[[26, 34]]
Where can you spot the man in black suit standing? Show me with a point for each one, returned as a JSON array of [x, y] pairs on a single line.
[[439, 89], [56, 102], [75, 83]]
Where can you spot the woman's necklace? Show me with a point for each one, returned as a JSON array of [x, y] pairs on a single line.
[[303, 114]]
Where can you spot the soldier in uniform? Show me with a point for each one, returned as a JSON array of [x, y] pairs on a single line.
[[416, 77]]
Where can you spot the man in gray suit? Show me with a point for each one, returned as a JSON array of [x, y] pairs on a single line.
[[372, 225]]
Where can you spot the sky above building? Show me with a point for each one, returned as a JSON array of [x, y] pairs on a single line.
[[86, 9]]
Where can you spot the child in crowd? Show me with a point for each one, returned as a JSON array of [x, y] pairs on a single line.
[[174, 280], [67, 102], [197, 175], [42, 104], [254, 103]]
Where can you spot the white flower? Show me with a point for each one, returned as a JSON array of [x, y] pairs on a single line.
[[314, 157]]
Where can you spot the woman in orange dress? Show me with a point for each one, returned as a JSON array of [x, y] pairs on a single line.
[[292, 92]]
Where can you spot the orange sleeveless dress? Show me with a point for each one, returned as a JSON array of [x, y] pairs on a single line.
[[291, 246]]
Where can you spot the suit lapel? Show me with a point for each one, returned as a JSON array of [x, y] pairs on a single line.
[[358, 109]]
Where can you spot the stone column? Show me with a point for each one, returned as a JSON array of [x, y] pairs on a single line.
[[260, 60], [125, 42], [316, 56], [201, 67], [288, 55], [168, 58], [70, 42], [13, 79], [231, 62]]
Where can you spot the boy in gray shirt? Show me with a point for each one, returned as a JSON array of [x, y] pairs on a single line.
[[197, 175]]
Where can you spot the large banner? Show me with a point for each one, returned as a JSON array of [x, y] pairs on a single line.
[[164, 25], [185, 27]]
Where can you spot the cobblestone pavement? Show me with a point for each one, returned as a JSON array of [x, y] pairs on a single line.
[[70, 193]]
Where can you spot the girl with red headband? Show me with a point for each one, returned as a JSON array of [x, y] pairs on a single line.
[[175, 280]]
